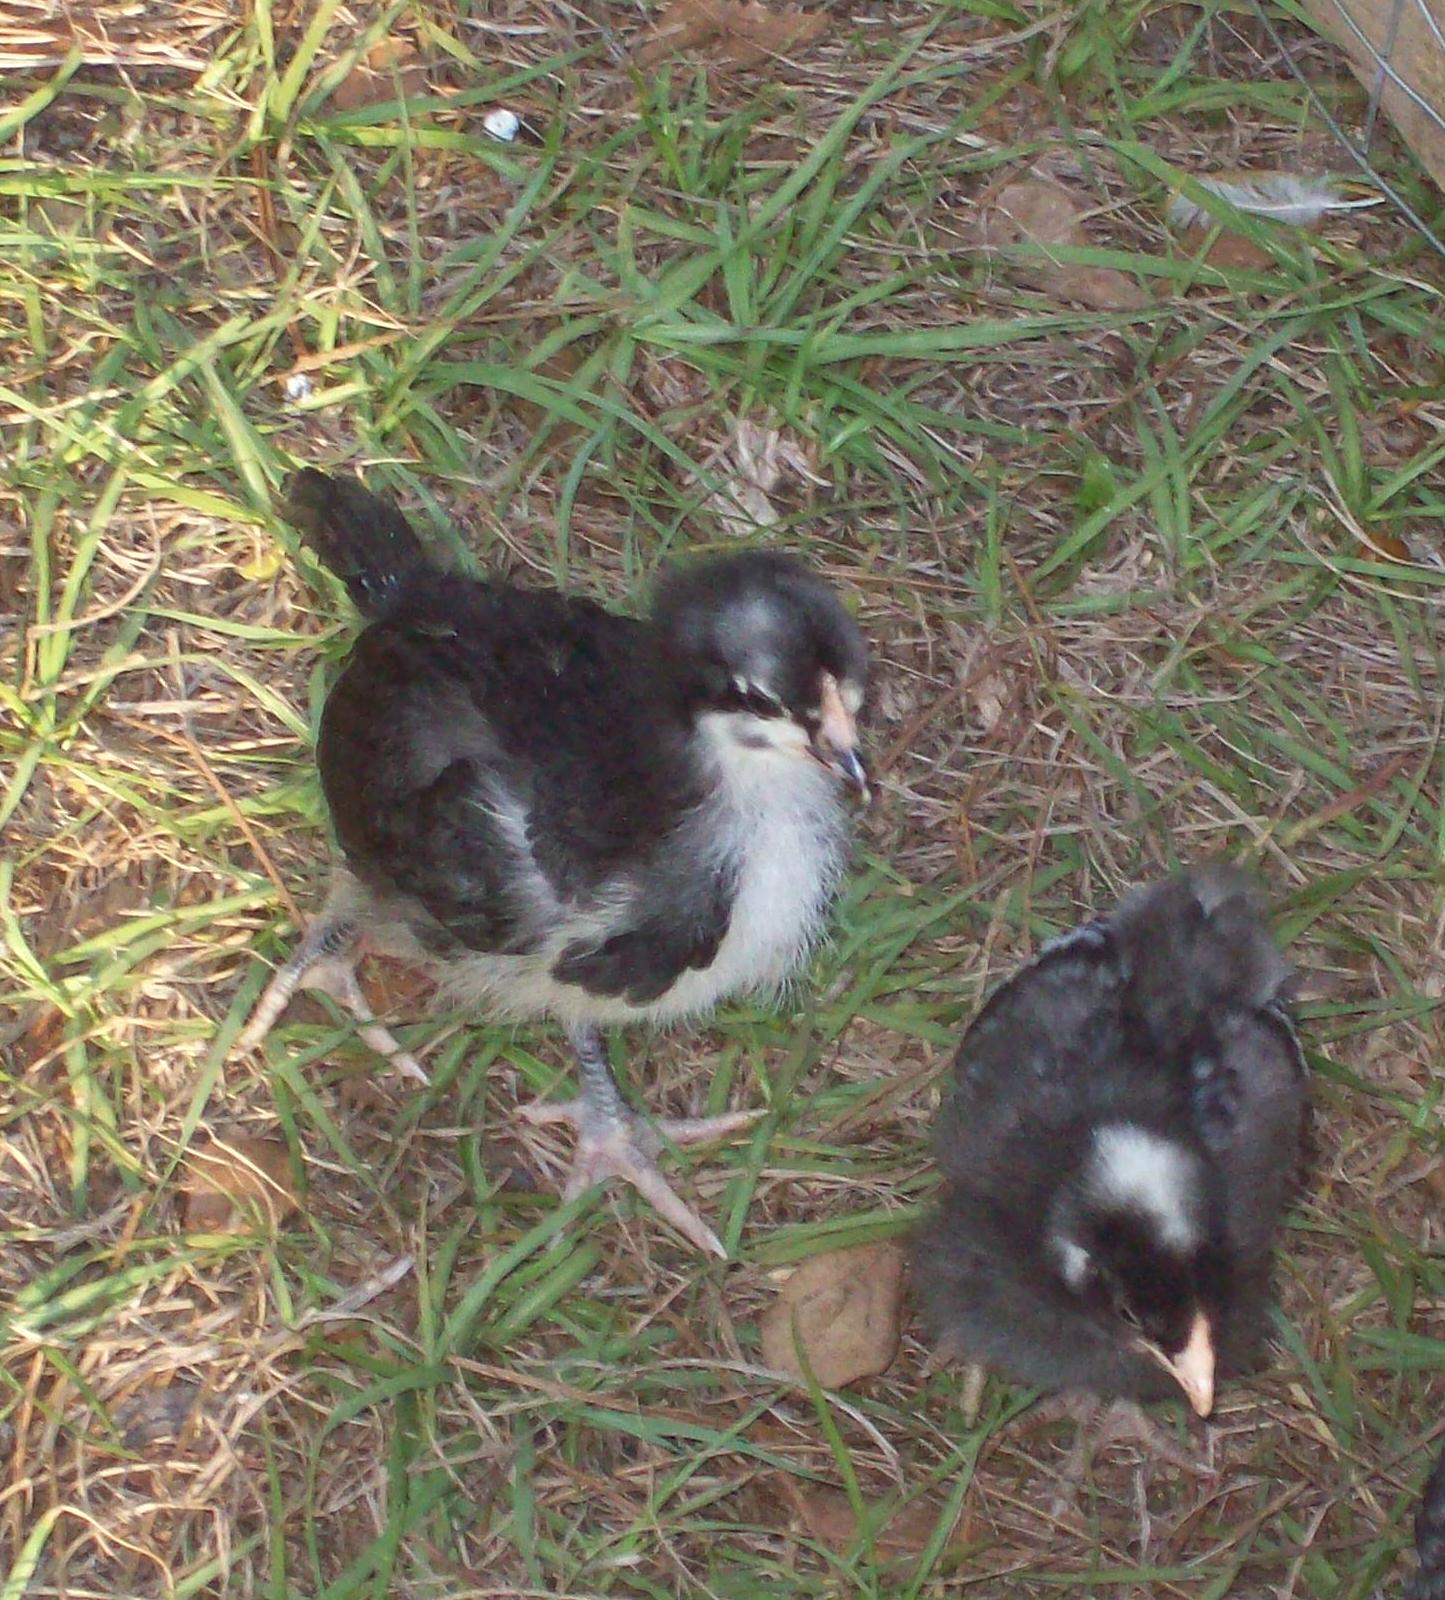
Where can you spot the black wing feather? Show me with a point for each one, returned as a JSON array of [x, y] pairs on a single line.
[[469, 698], [643, 961]]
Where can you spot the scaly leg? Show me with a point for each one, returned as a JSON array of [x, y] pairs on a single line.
[[324, 961], [612, 1142], [975, 1378]]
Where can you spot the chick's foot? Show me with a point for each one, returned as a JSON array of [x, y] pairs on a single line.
[[614, 1143]]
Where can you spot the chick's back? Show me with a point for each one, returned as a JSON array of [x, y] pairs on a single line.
[[1164, 1015], [476, 724]]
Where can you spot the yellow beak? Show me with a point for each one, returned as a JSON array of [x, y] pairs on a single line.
[[836, 742], [1193, 1368]]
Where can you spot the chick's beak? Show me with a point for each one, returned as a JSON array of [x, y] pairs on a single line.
[[1193, 1367], [835, 743]]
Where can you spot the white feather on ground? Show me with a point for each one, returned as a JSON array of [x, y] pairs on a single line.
[[1279, 196]]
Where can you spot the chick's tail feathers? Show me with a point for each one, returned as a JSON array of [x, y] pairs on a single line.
[[1198, 943], [362, 538]]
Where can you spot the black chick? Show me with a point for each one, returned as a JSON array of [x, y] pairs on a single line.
[[1117, 1142], [1429, 1582], [562, 812]]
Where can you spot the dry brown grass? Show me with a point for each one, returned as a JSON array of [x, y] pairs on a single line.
[[1142, 587]]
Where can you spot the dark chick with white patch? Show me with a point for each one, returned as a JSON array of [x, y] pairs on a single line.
[[561, 812], [1117, 1144]]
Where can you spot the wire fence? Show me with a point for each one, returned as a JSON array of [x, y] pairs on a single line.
[[1399, 49]]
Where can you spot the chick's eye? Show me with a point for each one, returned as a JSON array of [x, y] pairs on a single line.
[[1127, 1315], [758, 701]]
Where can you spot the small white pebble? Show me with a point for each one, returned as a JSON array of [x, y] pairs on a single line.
[[298, 386], [502, 124]]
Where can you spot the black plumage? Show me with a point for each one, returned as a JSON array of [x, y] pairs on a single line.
[[470, 684], [560, 811], [1116, 1145], [1428, 1583]]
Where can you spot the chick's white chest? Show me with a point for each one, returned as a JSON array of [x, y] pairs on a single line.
[[778, 822], [773, 826]]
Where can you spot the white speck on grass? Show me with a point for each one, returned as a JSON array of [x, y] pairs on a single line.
[[502, 124]]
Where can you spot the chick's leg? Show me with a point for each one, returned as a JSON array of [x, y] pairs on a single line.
[[613, 1142], [324, 962], [1102, 1424]]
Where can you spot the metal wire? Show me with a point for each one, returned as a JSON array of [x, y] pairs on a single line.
[[1387, 75], [1387, 49]]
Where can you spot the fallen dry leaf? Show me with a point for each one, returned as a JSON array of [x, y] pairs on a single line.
[[739, 33], [759, 459], [990, 695], [830, 1520], [1229, 250], [157, 1414], [670, 384], [828, 1516], [757, 33], [1040, 212], [264, 565], [1389, 545], [682, 26], [845, 1309], [1035, 212], [229, 1184], [390, 68], [561, 367], [37, 1034]]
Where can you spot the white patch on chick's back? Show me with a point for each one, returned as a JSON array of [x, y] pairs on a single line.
[[1134, 1169]]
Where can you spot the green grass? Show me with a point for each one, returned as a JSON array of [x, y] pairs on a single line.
[[1134, 585]]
